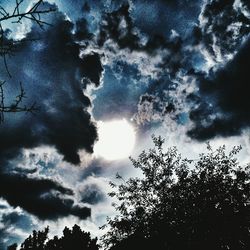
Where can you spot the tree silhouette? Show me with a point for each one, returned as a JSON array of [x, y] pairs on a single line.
[[8, 46], [12, 247], [75, 239], [36, 241], [182, 204]]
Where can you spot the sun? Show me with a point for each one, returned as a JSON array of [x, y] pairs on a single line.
[[116, 139]]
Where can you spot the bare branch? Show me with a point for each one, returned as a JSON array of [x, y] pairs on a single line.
[[8, 47], [16, 106], [33, 13]]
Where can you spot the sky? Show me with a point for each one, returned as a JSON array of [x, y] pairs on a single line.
[[178, 69]]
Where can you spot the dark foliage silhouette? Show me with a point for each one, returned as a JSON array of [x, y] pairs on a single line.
[[12, 247], [75, 239], [36, 241], [182, 204]]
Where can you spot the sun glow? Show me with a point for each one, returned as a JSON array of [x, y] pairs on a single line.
[[116, 139]]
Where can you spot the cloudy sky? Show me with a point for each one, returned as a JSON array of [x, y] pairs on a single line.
[[119, 71]]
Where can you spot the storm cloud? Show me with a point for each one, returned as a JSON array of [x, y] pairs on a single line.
[[224, 26], [224, 104], [178, 67], [54, 76], [42, 197], [51, 72]]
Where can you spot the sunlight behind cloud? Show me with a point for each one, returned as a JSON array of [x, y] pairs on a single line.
[[116, 139]]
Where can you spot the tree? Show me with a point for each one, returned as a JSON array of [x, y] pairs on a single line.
[[7, 48], [36, 241], [75, 239], [181, 203], [12, 247]]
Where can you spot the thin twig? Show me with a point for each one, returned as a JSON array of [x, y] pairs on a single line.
[[7, 47], [16, 106]]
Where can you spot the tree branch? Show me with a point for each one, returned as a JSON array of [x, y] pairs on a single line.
[[16, 106], [33, 13], [7, 48]]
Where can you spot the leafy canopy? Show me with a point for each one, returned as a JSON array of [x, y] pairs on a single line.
[[75, 239], [181, 203]]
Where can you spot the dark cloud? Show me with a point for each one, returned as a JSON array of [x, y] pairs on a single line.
[[223, 25], [223, 101], [51, 72], [92, 194], [55, 77], [44, 198], [136, 41], [118, 26], [81, 30], [216, 109], [92, 68]]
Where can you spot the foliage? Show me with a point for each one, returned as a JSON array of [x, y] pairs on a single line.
[[182, 204], [12, 247], [75, 239], [36, 240]]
